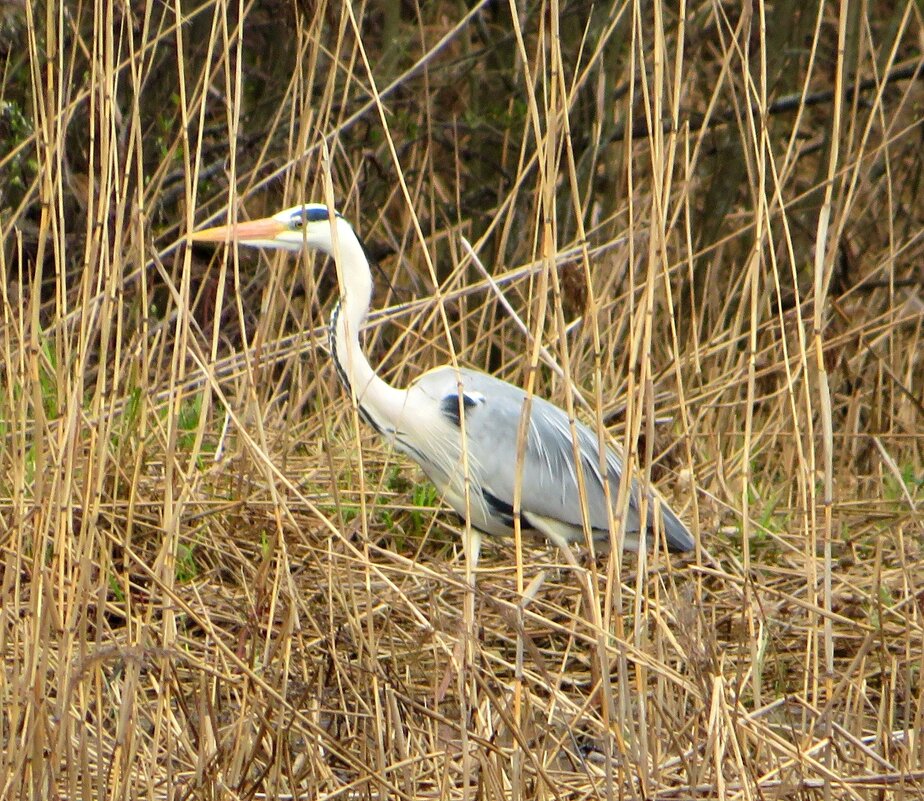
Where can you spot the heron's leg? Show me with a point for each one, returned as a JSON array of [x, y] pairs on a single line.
[[463, 652], [581, 574], [532, 589]]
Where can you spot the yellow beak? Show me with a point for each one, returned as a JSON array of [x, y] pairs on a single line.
[[253, 230]]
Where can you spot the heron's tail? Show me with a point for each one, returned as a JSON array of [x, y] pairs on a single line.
[[678, 536]]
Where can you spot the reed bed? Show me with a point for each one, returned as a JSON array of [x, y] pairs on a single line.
[[217, 583]]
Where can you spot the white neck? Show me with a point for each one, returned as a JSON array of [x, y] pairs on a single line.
[[380, 403]]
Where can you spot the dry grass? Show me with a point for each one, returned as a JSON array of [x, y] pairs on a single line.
[[215, 584]]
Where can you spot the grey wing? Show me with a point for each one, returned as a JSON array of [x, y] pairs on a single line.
[[549, 483]]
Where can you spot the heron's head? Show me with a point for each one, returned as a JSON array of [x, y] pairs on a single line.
[[308, 225]]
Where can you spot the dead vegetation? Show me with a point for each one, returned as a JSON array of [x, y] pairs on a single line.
[[216, 584]]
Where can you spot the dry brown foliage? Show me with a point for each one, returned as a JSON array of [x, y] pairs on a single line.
[[215, 583]]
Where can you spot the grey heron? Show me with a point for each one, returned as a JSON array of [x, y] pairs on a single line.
[[426, 420]]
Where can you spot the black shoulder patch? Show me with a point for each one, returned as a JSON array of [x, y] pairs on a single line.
[[449, 406]]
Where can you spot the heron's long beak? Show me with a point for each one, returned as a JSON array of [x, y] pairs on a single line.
[[266, 229]]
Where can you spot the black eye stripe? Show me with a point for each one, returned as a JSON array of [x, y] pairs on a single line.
[[311, 214]]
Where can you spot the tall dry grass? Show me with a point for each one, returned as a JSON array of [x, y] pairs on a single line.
[[216, 584]]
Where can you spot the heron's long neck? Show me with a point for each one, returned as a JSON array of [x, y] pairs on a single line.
[[381, 404]]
